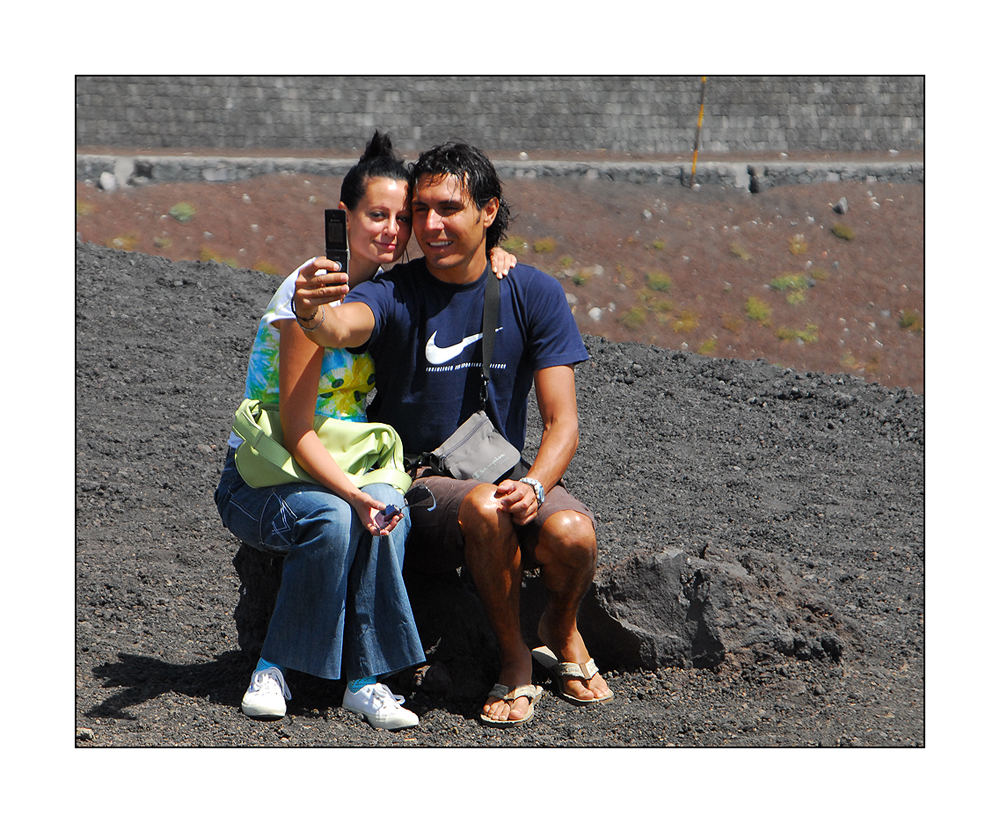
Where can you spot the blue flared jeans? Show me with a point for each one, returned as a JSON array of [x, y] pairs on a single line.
[[342, 609]]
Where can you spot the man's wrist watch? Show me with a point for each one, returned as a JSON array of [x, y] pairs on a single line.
[[538, 487]]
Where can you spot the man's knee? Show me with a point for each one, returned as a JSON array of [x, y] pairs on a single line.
[[567, 537], [481, 518], [479, 506]]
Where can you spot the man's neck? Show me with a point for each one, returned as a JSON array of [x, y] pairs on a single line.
[[460, 275]]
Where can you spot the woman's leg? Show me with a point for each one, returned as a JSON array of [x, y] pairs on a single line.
[[326, 602], [318, 535], [381, 635]]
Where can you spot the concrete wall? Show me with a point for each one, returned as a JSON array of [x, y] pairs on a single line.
[[649, 114]]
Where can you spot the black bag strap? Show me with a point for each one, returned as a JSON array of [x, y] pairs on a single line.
[[491, 311]]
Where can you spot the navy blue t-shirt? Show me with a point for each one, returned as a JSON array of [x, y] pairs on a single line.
[[428, 351]]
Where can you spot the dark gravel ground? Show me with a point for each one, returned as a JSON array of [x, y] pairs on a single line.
[[825, 471]]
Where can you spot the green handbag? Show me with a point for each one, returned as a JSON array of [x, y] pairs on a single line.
[[367, 452]]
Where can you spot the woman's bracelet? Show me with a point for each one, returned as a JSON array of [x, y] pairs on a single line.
[[317, 324], [300, 320], [296, 312]]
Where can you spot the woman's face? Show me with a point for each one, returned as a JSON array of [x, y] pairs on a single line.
[[378, 228]]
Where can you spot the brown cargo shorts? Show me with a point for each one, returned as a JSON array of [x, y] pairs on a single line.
[[436, 544]]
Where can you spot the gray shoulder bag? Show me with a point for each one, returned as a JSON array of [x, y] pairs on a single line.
[[476, 450]]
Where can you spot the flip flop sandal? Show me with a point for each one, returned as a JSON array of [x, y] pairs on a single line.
[[559, 671], [509, 695]]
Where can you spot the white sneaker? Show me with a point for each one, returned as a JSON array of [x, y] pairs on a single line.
[[381, 707], [266, 695]]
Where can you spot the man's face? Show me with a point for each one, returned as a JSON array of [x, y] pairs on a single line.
[[449, 227]]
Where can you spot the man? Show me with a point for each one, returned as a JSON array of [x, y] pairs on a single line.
[[422, 325]]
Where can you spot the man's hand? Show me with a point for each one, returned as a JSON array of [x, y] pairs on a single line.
[[518, 500], [318, 282]]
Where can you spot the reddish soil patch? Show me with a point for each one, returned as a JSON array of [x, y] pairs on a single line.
[[720, 272]]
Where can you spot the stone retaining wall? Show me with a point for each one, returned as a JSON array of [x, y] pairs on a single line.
[[124, 169], [619, 114]]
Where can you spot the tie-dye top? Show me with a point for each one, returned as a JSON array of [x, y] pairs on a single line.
[[345, 379]]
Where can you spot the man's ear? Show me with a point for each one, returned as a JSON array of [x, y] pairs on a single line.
[[490, 211]]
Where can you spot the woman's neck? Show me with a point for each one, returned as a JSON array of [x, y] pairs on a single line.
[[359, 271]]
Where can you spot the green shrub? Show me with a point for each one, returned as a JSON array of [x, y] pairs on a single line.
[[544, 245], [514, 244], [810, 334], [789, 282], [634, 318], [736, 250], [794, 284], [182, 212], [911, 320], [842, 231], [655, 302], [758, 310], [659, 281], [687, 321], [266, 266], [125, 242], [210, 255], [797, 244]]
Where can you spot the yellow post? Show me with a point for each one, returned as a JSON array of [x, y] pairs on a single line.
[[697, 134]]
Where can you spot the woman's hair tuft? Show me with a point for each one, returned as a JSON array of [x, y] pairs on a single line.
[[378, 160]]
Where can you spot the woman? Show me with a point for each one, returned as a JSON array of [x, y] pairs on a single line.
[[342, 608]]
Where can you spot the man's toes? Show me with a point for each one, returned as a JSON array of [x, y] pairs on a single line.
[[599, 687], [502, 710], [518, 709], [579, 689], [497, 710], [593, 689]]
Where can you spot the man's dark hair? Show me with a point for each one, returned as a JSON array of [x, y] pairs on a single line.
[[477, 174], [379, 160]]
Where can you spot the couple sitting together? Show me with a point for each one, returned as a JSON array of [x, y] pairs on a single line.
[[414, 333]]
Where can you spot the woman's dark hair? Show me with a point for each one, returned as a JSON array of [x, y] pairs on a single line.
[[476, 172], [379, 160]]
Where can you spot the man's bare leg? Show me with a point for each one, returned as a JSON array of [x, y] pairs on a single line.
[[567, 553], [493, 558]]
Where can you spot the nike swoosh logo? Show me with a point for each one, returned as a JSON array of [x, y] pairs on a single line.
[[437, 355]]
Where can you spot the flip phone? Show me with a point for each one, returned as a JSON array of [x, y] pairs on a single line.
[[336, 237]]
